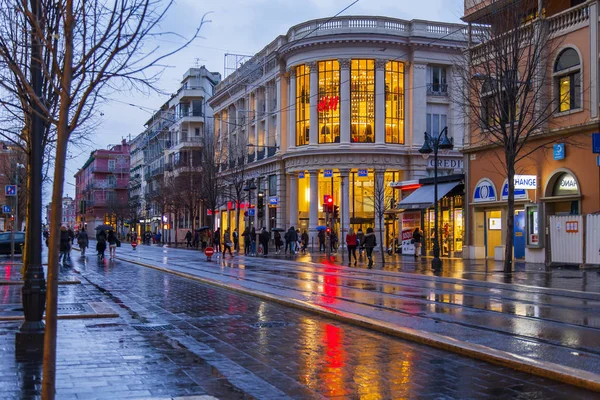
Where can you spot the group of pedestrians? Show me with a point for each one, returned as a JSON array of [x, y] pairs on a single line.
[[361, 241], [103, 239]]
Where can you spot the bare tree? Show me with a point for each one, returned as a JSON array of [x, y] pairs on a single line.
[[506, 96], [236, 176], [210, 183], [86, 51], [381, 196]]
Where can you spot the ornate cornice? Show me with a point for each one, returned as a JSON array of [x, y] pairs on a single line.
[[291, 71], [346, 161]]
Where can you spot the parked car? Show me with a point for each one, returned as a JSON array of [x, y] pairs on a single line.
[[5, 242]]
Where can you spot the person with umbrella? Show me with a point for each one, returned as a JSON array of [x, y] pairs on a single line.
[[321, 236], [101, 244]]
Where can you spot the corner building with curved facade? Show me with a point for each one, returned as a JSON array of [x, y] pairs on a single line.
[[331, 108]]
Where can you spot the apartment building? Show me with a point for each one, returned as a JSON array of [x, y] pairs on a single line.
[[101, 191], [558, 182]]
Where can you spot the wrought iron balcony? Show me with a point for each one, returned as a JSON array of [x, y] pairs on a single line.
[[437, 89]]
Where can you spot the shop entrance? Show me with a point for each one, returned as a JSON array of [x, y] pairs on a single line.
[[519, 235]]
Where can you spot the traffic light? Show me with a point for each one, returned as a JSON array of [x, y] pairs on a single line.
[[12, 217], [260, 202], [336, 212], [328, 204]]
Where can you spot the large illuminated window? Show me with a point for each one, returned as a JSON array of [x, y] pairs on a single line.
[[302, 105], [567, 74], [394, 102], [362, 101], [328, 104]]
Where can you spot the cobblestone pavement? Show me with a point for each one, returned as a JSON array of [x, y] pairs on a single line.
[[180, 337], [542, 323]]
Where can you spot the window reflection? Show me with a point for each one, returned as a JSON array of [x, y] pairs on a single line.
[[302, 105], [394, 102], [362, 101], [328, 101]]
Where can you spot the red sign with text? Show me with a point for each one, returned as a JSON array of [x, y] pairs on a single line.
[[328, 103]]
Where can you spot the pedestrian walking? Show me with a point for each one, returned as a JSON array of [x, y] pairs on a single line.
[[158, 237], [333, 242], [236, 240], [304, 241], [360, 242], [188, 239], [217, 240], [292, 238], [196, 239], [298, 240], [277, 237], [321, 236], [101, 244], [416, 240], [247, 241], [65, 244], [227, 243], [82, 240], [265, 238], [370, 243], [351, 244], [112, 244]]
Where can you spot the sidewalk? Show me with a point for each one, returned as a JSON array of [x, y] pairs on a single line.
[[544, 321]]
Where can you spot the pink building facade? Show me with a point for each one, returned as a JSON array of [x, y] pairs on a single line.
[[102, 188]]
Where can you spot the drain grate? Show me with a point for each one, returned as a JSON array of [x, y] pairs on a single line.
[[271, 324], [109, 325], [153, 328], [71, 308]]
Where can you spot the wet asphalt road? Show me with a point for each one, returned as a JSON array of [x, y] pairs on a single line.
[[211, 341]]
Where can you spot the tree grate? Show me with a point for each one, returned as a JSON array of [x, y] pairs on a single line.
[[153, 328], [71, 308], [271, 324]]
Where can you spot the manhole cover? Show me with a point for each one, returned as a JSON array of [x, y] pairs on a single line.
[[271, 324], [153, 328]]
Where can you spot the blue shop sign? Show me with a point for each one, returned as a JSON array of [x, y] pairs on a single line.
[[519, 193], [328, 173], [596, 143], [301, 175], [273, 201], [484, 192], [559, 151], [363, 172]]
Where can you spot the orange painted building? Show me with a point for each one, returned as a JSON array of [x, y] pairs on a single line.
[[563, 176]]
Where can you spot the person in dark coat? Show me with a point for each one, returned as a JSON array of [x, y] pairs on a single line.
[[65, 244], [321, 236], [304, 241], [370, 243], [217, 240], [188, 239], [360, 242], [101, 244], [82, 241], [227, 243], [277, 237], [292, 238], [247, 240], [417, 238], [253, 240], [265, 237], [236, 240]]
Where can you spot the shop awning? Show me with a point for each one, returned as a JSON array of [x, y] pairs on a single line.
[[423, 196]]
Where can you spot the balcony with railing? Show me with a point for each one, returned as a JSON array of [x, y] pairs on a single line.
[[187, 142], [251, 157], [261, 154], [437, 89]]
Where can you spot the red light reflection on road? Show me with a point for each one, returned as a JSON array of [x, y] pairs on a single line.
[[335, 360], [331, 287]]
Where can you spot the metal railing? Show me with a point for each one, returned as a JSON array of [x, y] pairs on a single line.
[[437, 89]]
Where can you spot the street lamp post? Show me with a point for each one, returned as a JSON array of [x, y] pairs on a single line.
[[434, 144]]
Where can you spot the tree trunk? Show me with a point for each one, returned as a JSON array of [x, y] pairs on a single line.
[[510, 217]]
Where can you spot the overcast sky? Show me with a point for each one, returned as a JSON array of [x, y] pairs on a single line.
[[239, 27]]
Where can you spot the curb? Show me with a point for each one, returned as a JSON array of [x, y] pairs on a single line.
[[69, 282], [557, 372], [64, 316]]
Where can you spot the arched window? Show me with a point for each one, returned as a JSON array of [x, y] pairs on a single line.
[[567, 78], [565, 185]]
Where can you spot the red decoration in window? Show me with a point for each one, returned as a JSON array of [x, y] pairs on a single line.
[[328, 103]]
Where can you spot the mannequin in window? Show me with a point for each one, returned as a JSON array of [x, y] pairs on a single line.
[[336, 134]]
